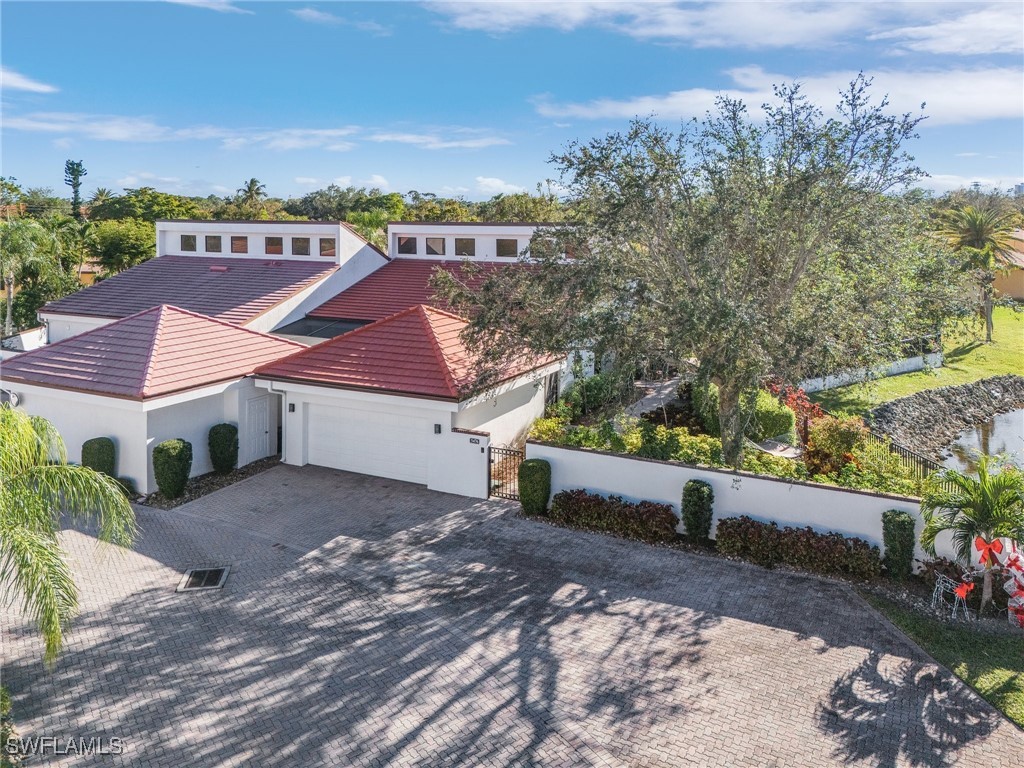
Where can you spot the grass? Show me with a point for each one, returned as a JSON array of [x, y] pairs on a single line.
[[967, 359], [992, 664]]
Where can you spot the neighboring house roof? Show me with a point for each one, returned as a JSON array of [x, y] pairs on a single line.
[[156, 352], [233, 289], [398, 285], [418, 351]]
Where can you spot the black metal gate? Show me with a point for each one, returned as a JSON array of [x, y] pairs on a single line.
[[503, 472]]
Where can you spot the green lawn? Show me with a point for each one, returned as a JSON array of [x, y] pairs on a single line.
[[967, 360], [993, 665]]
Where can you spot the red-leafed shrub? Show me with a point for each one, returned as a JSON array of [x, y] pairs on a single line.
[[768, 545], [796, 399], [644, 520]]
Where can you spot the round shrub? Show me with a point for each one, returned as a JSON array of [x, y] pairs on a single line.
[[898, 535], [698, 500], [98, 454], [172, 464], [534, 486], [223, 447]]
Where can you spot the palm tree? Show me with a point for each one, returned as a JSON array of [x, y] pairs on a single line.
[[989, 506], [983, 236], [251, 193], [21, 247], [100, 196], [37, 485]]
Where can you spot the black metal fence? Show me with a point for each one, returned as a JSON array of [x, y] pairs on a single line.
[[503, 468], [920, 467]]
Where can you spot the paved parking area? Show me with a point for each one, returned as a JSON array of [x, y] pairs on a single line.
[[372, 622]]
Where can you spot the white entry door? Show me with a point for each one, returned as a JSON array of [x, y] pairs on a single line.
[[258, 425]]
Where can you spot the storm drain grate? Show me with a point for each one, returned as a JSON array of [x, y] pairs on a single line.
[[196, 579]]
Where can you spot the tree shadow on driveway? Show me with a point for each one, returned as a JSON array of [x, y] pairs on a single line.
[[890, 712]]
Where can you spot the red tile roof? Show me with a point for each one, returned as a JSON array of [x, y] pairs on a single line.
[[398, 285], [418, 351], [155, 352], [236, 290]]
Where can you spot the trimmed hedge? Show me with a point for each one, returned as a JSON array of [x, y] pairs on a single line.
[[771, 419], [898, 535], [826, 553], [98, 454], [534, 486], [644, 521], [223, 441], [172, 464], [698, 499]]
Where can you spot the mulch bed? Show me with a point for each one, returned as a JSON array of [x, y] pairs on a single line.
[[200, 486]]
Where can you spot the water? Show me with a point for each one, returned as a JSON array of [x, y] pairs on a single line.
[[1002, 434]]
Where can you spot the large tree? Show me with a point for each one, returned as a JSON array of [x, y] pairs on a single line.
[[147, 204], [39, 486], [122, 244], [751, 245], [22, 247], [74, 170], [982, 236]]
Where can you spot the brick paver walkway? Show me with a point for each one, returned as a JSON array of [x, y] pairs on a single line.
[[371, 622]]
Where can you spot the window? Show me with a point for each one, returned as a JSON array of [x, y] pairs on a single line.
[[508, 249], [406, 244], [300, 246], [188, 242], [239, 244], [465, 246], [275, 246], [435, 246], [213, 243], [327, 246]]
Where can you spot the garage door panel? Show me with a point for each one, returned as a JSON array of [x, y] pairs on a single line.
[[370, 442]]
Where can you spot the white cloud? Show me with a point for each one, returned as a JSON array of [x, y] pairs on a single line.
[[703, 25], [433, 141], [146, 130], [946, 182], [939, 28], [489, 185], [343, 181], [996, 29], [64, 143], [13, 81], [967, 154], [957, 96], [315, 16], [221, 6], [307, 181], [376, 180]]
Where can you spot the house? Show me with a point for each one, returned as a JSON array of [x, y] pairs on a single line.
[[394, 399], [299, 324], [258, 275], [159, 374], [1010, 283]]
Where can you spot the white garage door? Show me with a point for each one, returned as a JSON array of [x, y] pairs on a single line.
[[373, 443]]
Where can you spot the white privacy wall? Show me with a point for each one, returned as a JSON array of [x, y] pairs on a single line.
[[823, 508], [507, 415]]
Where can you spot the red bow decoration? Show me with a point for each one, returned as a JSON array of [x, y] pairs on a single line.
[[1013, 562], [988, 549], [963, 590]]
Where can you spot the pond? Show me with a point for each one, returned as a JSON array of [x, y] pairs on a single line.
[[1002, 434]]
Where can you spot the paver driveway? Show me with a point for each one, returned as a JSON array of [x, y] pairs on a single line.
[[370, 622]]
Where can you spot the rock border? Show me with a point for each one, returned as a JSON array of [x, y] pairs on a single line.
[[929, 421]]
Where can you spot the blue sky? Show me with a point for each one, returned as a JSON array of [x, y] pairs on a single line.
[[467, 97]]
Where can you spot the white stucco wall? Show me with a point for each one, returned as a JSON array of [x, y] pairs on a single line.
[[823, 508], [895, 368], [60, 327], [485, 235], [458, 463], [80, 417], [506, 416], [169, 232]]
